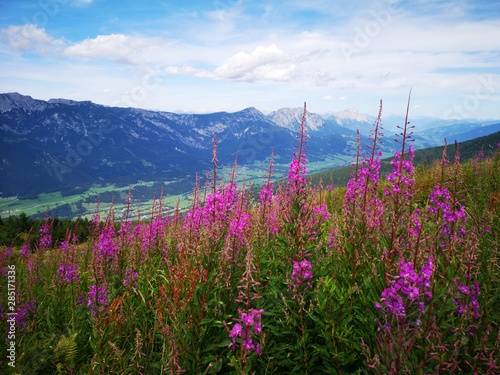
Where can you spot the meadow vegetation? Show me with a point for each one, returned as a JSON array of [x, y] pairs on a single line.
[[393, 275]]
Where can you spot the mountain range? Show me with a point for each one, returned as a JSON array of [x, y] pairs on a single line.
[[62, 144]]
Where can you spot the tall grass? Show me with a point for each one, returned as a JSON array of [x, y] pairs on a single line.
[[387, 276]]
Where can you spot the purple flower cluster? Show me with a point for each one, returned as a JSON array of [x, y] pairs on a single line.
[[218, 205], [64, 245], [126, 233], [320, 214], [97, 299], [221, 202], [45, 237], [95, 223], [440, 200], [130, 278], [369, 172], [248, 330], [149, 235], [407, 288], [107, 247], [297, 174], [238, 225], [266, 193], [269, 207], [302, 272], [401, 175], [68, 272], [125, 227], [466, 300], [414, 223], [23, 314], [25, 249]]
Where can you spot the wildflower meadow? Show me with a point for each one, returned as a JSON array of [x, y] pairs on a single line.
[[392, 274]]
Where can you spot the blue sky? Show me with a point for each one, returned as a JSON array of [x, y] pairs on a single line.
[[226, 55]]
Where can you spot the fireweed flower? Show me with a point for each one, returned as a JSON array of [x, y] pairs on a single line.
[[219, 204], [94, 225], [147, 236], [269, 208], [130, 278], [466, 300], [424, 279], [320, 214], [266, 193], [247, 344], [297, 175], [125, 227], [302, 272], [95, 221], [157, 227], [440, 201], [401, 175], [125, 233], [247, 319], [45, 237], [472, 329], [107, 248], [68, 273], [97, 299], [406, 289], [25, 250], [192, 220], [23, 314], [64, 245], [236, 331], [238, 225], [367, 178], [415, 224], [248, 330]]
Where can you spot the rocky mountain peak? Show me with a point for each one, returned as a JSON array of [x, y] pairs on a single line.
[[290, 118], [15, 100]]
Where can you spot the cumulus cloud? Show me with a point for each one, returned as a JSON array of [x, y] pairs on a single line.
[[29, 37], [262, 64], [118, 47]]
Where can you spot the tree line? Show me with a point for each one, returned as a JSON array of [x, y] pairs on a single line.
[[13, 230]]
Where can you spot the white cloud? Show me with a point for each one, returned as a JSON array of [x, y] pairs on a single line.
[[189, 70], [118, 47], [29, 37], [262, 64]]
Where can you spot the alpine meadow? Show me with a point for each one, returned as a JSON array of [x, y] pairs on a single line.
[[395, 273]]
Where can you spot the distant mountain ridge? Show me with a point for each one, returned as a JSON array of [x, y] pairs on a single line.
[[60, 144]]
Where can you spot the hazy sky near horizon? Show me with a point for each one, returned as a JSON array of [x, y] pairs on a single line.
[[226, 55]]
